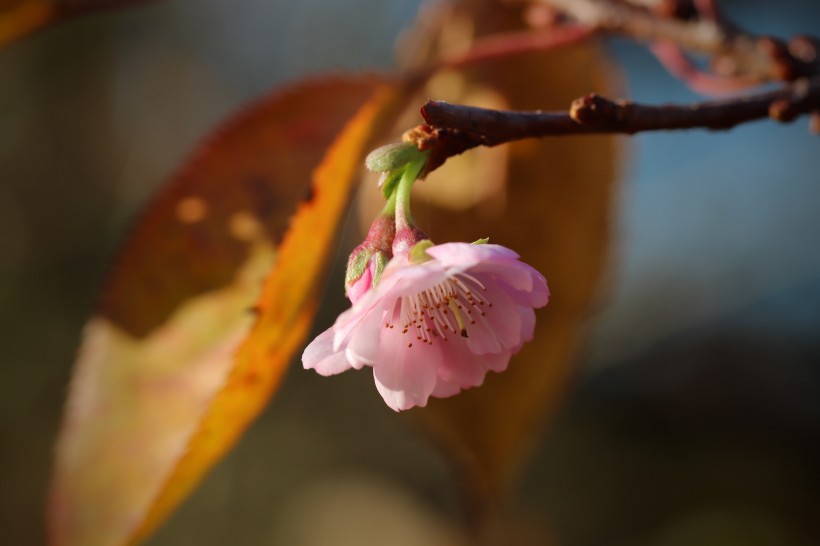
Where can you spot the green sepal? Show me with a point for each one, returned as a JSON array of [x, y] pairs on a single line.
[[392, 156], [482, 241], [418, 254], [381, 262], [356, 265]]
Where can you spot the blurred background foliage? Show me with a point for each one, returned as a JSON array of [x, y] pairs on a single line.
[[695, 418]]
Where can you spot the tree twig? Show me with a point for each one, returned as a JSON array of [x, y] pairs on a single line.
[[733, 52], [705, 82], [452, 129], [502, 46]]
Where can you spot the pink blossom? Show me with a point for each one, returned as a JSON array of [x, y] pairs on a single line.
[[436, 327]]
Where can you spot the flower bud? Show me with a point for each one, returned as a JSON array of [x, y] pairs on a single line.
[[364, 274], [367, 261], [406, 238], [393, 156]]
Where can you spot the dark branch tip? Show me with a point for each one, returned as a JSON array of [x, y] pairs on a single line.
[[783, 111], [442, 143], [593, 109], [428, 109]]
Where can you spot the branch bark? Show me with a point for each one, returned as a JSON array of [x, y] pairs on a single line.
[[673, 29], [734, 52], [452, 129]]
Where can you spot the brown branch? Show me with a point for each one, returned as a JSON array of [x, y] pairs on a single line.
[[452, 129], [733, 52], [641, 24], [673, 29]]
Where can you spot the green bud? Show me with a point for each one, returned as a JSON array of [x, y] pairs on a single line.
[[392, 156]]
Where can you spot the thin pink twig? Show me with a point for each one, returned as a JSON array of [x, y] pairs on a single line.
[[706, 83], [501, 46]]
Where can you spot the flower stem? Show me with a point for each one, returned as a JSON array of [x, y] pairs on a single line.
[[390, 206], [402, 194]]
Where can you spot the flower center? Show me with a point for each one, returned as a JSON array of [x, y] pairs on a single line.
[[450, 307]]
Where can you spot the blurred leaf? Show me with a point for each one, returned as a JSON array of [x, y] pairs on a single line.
[[550, 200], [183, 353], [19, 18]]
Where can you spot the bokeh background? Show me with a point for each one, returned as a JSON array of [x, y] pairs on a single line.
[[695, 417]]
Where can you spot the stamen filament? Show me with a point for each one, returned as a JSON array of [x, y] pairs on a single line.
[[445, 307]]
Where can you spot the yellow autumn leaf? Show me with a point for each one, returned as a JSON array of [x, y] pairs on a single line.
[[188, 344]]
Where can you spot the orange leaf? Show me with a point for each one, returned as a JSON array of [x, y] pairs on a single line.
[[19, 18], [168, 377]]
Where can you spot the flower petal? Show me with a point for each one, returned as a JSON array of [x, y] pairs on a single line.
[[459, 364], [320, 356], [536, 296], [465, 255], [349, 321], [413, 278], [445, 389], [482, 339], [500, 326], [540, 292], [496, 362], [363, 347], [496, 261], [405, 375], [504, 317], [527, 323], [512, 273]]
